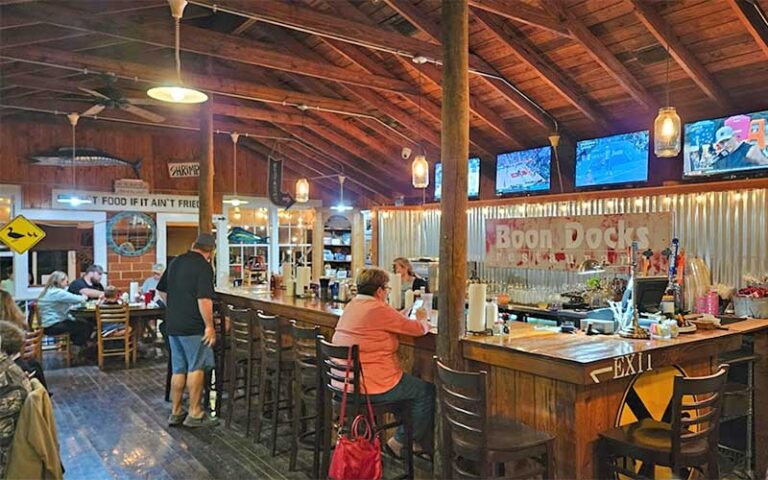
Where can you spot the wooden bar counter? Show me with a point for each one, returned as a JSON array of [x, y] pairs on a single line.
[[572, 385]]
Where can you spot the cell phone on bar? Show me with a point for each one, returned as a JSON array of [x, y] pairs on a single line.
[[417, 304]]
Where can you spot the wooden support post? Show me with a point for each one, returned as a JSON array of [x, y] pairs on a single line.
[[205, 188], [454, 143]]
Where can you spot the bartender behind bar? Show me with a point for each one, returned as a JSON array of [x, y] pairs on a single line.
[[410, 279]]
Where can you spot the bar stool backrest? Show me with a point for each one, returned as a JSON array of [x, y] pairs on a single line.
[[243, 332], [332, 360], [696, 407], [33, 345], [304, 346], [462, 397], [119, 315], [272, 332]]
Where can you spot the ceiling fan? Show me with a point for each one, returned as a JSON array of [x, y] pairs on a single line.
[[110, 96]]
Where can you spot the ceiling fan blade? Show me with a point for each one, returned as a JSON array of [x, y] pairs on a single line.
[[145, 114], [93, 111], [143, 101], [94, 93]]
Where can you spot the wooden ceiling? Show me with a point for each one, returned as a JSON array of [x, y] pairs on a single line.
[[336, 80]]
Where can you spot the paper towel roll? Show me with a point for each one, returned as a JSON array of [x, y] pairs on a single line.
[[491, 314], [476, 311], [303, 279], [396, 291], [287, 272], [409, 299], [134, 291]]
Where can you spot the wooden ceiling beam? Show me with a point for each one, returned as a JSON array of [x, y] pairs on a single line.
[[149, 73], [601, 54], [523, 13], [206, 42], [516, 43], [749, 13], [659, 28], [264, 115]]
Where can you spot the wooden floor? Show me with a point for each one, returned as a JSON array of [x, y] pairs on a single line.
[[113, 425]]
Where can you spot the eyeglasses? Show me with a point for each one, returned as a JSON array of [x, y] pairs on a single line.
[[386, 287]]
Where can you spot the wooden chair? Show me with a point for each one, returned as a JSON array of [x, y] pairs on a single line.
[[118, 318], [332, 363], [51, 343], [478, 445], [33, 345], [305, 398], [689, 441], [277, 367], [244, 361]]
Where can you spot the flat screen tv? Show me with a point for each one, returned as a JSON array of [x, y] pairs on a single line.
[[725, 145], [618, 159], [473, 178], [523, 171]]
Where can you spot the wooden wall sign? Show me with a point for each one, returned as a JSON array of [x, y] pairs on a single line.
[[137, 202], [562, 243], [277, 196], [184, 169]]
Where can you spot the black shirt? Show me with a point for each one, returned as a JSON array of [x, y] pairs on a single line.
[[188, 278], [79, 284], [735, 159]]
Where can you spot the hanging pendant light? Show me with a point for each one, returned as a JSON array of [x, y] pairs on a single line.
[[235, 201], [666, 128], [302, 190], [420, 166], [73, 198], [176, 92], [341, 207]]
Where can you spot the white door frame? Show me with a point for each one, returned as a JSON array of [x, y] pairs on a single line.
[[21, 262], [163, 219]]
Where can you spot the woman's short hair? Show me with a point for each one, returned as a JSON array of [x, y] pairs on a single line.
[[371, 279], [13, 337]]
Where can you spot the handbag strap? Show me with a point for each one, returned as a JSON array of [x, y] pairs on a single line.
[[371, 417], [343, 411]]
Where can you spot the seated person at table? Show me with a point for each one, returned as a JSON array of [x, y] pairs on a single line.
[[9, 311], [14, 387], [12, 345], [90, 283], [53, 306], [369, 322], [151, 282], [111, 298]]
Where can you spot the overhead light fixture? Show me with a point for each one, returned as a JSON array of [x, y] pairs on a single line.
[[177, 93], [73, 199], [302, 190], [667, 131], [420, 172], [341, 207], [235, 201]]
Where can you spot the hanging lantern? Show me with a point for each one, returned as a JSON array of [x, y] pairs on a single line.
[[420, 172], [302, 190], [666, 133]]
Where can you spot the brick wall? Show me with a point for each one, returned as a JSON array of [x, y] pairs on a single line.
[[124, 270]]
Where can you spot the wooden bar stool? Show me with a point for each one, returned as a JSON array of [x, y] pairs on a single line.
[[275, 376], [332, 360], [113, 325], [689, 441], [305, 398], [486, 443], [244, 361]]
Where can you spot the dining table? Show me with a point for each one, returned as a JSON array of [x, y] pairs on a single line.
[[140, 314]]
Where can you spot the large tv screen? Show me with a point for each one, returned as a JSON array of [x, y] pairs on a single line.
[[725, 145], [618, 159], [523, 171], [473, 178]]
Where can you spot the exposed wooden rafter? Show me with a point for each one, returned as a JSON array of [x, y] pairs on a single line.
[[523, 13], [749, 16], [655, 23]]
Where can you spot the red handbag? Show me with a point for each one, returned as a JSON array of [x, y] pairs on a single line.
[[357, 455]]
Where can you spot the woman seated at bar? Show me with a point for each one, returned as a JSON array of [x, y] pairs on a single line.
[[369, 322], [410, 279], [53, 306]]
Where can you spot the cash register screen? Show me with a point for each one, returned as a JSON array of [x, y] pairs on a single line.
[[650, 290]]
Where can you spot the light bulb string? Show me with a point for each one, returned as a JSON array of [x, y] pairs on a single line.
[[669, 32], [178, 50], [74, 162], [234, 157]]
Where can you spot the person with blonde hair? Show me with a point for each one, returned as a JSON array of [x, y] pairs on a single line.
[[53, 307], [410, 280], [10, 312], [369, 322]]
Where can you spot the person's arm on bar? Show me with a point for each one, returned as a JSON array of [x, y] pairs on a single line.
[[396, 322], [206, 311]]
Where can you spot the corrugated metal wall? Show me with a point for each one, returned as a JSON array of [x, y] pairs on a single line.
[[727, 229]]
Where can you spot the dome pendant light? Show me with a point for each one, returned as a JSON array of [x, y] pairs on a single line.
[[235, 201], [666, 128], [177, 93], [302, 190], [73, 199]]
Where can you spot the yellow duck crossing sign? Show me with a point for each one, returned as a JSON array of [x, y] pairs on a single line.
[[20, 234]]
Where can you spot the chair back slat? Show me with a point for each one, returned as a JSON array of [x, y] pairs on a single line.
[[463, 403], [305, 349], [696, 402], [119, 315], [244, 332], [272, 332], [332, 360], [33, 345]]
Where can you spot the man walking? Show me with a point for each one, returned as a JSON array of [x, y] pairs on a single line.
[[186, 287]]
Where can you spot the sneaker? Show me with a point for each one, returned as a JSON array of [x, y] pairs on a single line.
[[176, 420], [204, 421]]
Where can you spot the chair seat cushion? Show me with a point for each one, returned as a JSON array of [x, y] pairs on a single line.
[[651, 436], [508, 435]]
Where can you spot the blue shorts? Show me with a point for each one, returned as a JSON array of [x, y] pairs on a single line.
[[189, 353]]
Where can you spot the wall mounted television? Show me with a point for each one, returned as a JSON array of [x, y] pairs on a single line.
[[727, 145], [473, 178], [618, 159], [524, 171]]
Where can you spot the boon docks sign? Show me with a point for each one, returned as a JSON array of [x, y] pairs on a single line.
[[563, 243]]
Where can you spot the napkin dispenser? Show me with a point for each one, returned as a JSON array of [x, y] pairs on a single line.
[[601, 321]]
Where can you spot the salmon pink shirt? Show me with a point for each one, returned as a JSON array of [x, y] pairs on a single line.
[[374, 326]]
